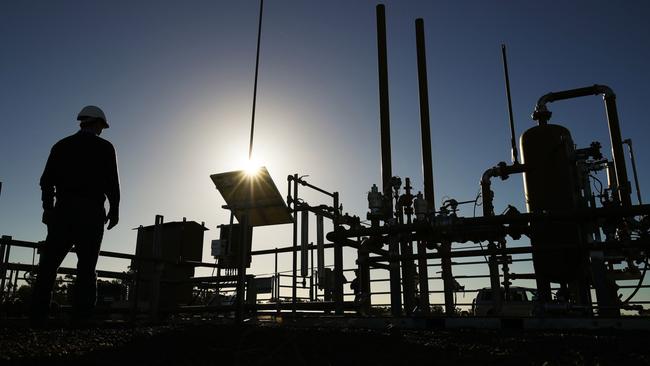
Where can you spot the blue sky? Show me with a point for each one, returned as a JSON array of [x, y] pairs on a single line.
[[175, 79]]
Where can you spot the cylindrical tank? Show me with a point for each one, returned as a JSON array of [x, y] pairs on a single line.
[[550, 184]]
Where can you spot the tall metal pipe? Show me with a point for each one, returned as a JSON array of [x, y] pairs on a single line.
[[384, 114], [624, 188], [338, 261], [386, 168], [294, 255], [425, 128]]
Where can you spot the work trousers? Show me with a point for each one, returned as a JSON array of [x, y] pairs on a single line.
[[80, 225]]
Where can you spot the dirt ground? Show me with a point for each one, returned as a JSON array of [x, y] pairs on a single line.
[[207, 343]]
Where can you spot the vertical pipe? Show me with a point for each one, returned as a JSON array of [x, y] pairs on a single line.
[[338, 262], [294, 201], [386, 168], [606, 292], [158, 269], [513, 141], [427, 161], [406, 249], [423, 277], [312, 289], [320, 252], [241, 271], [624, 189], [505, 268], [425, 128], [290, 201], [394, 274], [384, 113], [447, 278], [408, 277], [276, 287], [636, 177], [364, 276], [136, 281], [495, 279], [304, 243], [320, 244]]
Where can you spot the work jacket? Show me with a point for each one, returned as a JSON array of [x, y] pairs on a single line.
[[81, 168]]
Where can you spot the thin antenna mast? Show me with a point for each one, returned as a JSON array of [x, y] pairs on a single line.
[[257, 66], [513, 141]]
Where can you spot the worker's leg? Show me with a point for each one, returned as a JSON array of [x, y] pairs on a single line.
[[87, 247], [53, 251]]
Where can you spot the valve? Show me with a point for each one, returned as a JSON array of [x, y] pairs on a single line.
[[420, 206], [375, 201], [396, 183]]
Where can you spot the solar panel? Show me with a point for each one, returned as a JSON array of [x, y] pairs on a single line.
[[255, 194]]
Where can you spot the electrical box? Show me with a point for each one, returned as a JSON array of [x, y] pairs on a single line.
[[217, 248], [264, 285], [231, 238], [179, 242]]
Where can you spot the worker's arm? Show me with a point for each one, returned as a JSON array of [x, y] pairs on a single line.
[[47, 185], [113, 190]]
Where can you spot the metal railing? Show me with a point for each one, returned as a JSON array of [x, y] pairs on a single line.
[[7, 242]]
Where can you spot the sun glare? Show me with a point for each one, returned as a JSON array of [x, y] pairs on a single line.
[[252, 168]]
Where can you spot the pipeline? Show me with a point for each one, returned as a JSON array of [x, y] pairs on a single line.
[[463, 229]]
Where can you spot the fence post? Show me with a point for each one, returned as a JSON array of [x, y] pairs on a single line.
[[158, 269], [5, 248], [135, 293]]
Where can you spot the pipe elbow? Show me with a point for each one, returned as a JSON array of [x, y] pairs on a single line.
[[541, 102], [605, 90], [541, 113], [489, 174]]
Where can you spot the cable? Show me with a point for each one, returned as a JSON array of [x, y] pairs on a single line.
[[638, 286], [600, 191], [478, 196], [257, 67]]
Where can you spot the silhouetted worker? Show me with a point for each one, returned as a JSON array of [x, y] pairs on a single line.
[[81, 172]]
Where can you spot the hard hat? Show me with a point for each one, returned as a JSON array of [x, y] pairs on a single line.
[[91, 111]]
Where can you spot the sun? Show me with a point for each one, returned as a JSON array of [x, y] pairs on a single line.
[[252, 167]]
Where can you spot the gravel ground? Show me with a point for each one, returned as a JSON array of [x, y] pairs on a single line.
[[212, 344]]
